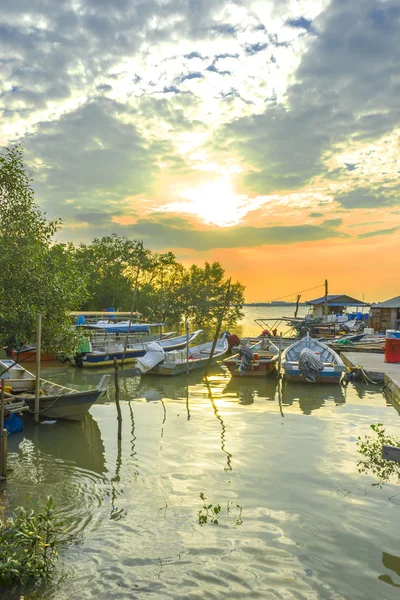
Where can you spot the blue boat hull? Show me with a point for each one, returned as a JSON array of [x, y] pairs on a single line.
[[106, 359], [325, 376]]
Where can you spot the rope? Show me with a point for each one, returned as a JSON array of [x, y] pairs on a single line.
[[360, 369]]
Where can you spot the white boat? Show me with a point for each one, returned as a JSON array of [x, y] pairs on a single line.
[[176, 363], [310, 360], [55, 401], [104, 355]]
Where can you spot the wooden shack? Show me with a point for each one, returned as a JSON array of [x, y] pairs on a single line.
[[385, 315]]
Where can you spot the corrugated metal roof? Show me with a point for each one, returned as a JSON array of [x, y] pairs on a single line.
[[337, 300], [392, 303]]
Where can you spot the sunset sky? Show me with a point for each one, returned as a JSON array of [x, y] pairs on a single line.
[[263, 134]]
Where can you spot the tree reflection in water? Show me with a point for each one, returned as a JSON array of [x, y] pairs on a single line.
[[223, 428], [392, 563]]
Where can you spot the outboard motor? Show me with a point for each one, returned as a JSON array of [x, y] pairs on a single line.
[[247, 355], [310, 365]]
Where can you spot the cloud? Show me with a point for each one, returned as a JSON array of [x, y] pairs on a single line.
[[344, 88], [332, 222], [366, 198], [92, 155], [161, 232], [379, 232], [126, 98]]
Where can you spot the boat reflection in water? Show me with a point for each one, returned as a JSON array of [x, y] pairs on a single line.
[[248, 391], [311, 397], [271, 390], [65, 460]]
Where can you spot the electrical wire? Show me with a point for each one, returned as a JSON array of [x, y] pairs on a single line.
[[297, 293]]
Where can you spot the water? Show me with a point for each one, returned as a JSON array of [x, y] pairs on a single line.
[[313, 526]]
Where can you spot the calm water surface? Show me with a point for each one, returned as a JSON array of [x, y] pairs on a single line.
[[313, 527]]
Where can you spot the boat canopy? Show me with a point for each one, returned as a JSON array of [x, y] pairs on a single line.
[[123, 327]]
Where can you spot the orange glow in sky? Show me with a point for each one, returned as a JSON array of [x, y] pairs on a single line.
[[263, 134]]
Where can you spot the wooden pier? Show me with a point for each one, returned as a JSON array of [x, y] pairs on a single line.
[[376, 368]]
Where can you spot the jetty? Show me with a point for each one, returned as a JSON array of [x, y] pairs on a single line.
[[375, 367]]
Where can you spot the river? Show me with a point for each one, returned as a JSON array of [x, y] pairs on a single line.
[[313, 527]]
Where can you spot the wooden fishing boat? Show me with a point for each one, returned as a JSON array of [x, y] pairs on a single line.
[[261, 360], [56, 401], [28, 355], [105, 356], [310, 360], [176, 363]]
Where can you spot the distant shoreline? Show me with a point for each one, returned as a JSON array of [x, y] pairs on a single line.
[[277, 303]]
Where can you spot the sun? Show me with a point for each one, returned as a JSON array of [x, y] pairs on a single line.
[[215, 202]]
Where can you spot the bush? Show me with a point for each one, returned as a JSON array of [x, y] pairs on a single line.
[[371, 449], [28, 545]]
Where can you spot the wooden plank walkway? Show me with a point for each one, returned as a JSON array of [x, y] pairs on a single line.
[[376, 368]]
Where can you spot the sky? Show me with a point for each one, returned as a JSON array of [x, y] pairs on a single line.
[[260, 133]]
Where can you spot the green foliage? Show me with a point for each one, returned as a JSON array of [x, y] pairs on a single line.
[[208, 512], [28, 545], [211, 513], [200, 296], [371, 449], [165, 289], [108, 264], [35, 276]]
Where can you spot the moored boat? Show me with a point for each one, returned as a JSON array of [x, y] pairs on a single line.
[[178, 363], [309, 360], [257, 360], [105, 356], [55, 401], [28, 355]]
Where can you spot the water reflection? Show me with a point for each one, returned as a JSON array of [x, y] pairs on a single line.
[[65, 460], [392, 563], [133, 441], [247, 391], [311, 397], [75, 443], [223, 428], [116, 513]]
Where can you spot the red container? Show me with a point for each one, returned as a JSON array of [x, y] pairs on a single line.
[[392, 350]]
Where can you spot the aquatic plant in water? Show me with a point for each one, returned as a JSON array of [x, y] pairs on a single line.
[[28, 545], [371, 449], [210, 513]]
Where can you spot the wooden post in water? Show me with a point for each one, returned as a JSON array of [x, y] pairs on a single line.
[[187, 348], [3, 438], [297, 305], [280, 355], [119, 414], [326, 299], [224, 307], [38, 355]]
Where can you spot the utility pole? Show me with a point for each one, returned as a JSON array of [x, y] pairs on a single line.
[[326, 299], [297, 305]]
